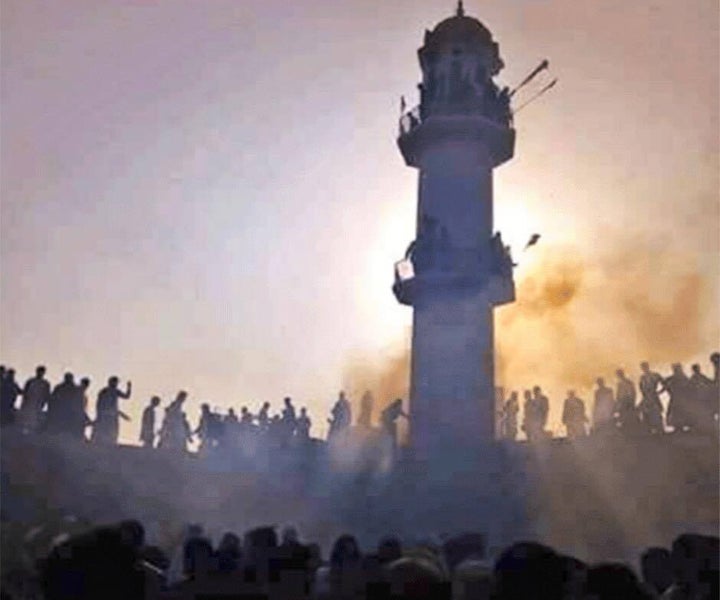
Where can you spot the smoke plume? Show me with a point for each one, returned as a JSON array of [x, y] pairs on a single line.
[[576, 318]]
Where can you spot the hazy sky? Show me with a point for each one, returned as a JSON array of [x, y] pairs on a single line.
[[208, 195]]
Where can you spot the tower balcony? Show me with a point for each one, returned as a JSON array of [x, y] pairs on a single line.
[[456, 270], [424, 126]]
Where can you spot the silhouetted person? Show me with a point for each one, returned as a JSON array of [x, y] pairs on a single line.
[[294, 558], [573, 416], [175, 432], [651, 386], [657, 569], [366, 406], [625, 410], [543, 408], [229, 553], [260, 556], [108, 413], [388, 420], [246, 417], [147, 427], [289, 419], [346, 574], [509, 417], [695, 568], [35, 398], [341, 416], [529, 571], [610, 581], [303, 425], [246, 429], [603, 408], [59, 408], [231, 430], [679, 405], [206, 429], [9, 392], [102, 563], [77, 419], [703, 401], [531, 418], [263, 417], [715, 360]]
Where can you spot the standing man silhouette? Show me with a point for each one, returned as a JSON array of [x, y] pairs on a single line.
[[108, 414], [147, 427]]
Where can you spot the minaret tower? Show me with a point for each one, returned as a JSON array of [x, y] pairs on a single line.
[[457, 269]]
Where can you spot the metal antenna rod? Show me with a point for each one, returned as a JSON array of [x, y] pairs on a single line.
[[536, 96], [542, 66]]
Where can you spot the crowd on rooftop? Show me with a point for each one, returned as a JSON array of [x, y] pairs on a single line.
[[692, 405], [39, 407]]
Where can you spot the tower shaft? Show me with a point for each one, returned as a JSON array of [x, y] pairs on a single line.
[[459, 270]]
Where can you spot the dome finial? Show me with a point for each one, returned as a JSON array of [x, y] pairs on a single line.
[[460, 9]]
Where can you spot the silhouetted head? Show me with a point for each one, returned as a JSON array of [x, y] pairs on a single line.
[[345, 551], [610, 581], [696, 369], [85, 382], [197, 557], [537, 390], [40, 371], [341, 395], [132, 533], [181, 397], [205, 408], [472, 580], [113, 382], [620, 374], [513, 395], [303, 411], [416, 579], [266, 405], [244, 410], [600, 382], [260, 543], [389, 549], [155, 401], [464, 547], [715, 358], [289, 535], [288, 401], [229, 553], [575, 576], [695, 561], [571, 393], [2, 371], [527, 394], [677, 369], [67, 378], [656, 567], [645, 367], [528, 570], [231, 412]]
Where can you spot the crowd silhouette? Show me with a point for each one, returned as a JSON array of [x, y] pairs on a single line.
[[116, 562], [37, 407], [62, 410], [692, 406]]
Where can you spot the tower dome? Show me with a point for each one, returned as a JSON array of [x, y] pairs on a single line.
[[458, 28], [458, 59]]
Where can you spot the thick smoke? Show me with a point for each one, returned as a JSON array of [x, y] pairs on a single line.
[[577, 318]]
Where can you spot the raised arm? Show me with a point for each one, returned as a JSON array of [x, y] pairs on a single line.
[[128, 391]]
